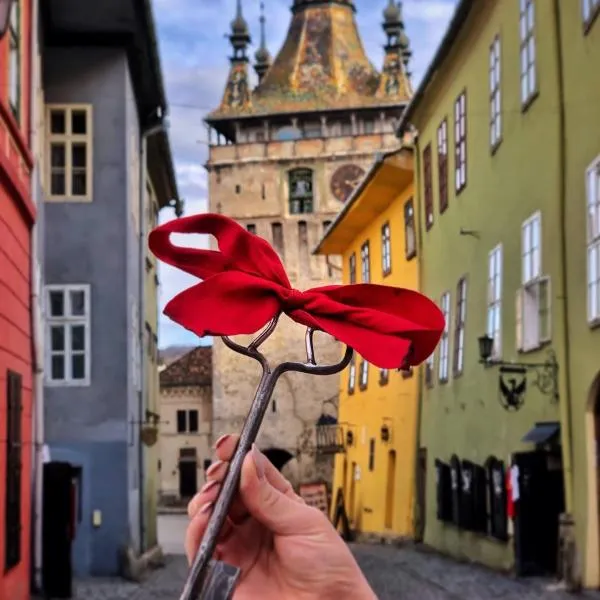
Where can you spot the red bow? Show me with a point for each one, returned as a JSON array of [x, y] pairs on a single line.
[[245, 285]]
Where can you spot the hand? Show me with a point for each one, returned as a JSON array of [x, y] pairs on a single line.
[[285, 549]]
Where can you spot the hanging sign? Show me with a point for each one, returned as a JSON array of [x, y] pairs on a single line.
[[315, 495]]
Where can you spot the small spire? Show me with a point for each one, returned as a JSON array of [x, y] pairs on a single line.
[[262, 56], [240, 35]]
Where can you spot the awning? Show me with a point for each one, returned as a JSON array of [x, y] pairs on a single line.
[[542, 433]]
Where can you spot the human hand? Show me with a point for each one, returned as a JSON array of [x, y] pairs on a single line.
[[284, 548]]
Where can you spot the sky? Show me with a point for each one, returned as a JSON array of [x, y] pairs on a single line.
[[194, 54]]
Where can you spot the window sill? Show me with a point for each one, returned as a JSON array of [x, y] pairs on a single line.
[[459, 190], [494, 147], [411, 255], [385, 274], [69, 199], [351, 392], [531, 349], [594, 323], [383, 382], [526, 105], [68, 384], [362, 388], [443, 381], [587, 25]]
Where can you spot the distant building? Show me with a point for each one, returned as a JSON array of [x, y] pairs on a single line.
[[185, 425], [378, 411], [284, 157], [107, 172]]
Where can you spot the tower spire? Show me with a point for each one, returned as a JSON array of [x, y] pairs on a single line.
[[262, 56], [395, 78], [240, 35]]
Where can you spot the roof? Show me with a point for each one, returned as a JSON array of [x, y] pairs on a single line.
[[453, 30], [321, 66], [192, 369], [329, 245]]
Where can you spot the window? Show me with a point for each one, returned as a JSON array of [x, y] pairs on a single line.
[[590, 10], [251, 228], [187, 421], [14, 466], [442, 148], [238, 189], [312, 130], [494, 300], [365, 263], [428, 187], [364, 374], [429, 369], [68, 358], [193, 421], [263, 191], [410, 238], [495, 94], [368, 127], [371, 454], [181, 421], [459, 328], [593, 240], [301, 191], [352, 375], [533, 298], [445, 340], [384, 376], [352, 268], [14, 60], [460, 142], [386, 249], [277, 235], [70, 152], [527, 35]]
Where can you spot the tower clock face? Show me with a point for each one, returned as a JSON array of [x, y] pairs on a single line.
[[344, 180]]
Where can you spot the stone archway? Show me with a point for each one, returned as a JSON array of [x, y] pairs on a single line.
[[592, 417], [278, 457]]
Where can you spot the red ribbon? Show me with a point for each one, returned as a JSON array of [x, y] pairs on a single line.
[[245, 285]]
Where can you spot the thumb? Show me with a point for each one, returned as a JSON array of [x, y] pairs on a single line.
[[280, 514]]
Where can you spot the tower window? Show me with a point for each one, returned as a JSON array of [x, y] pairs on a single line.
[[238, 189], [301, 191]]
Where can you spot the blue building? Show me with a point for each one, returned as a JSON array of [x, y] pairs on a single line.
[[108, 170]]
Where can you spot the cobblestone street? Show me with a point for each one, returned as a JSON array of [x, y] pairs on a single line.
[[393, 572]]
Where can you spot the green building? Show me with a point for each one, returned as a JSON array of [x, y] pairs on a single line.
[[504, 130]]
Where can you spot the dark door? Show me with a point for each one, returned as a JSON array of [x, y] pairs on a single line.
[[541, 500], [188, 478], [57, 530], [421, 494]]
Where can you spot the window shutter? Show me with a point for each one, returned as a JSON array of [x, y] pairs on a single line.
[[480, 509], [519, 319]]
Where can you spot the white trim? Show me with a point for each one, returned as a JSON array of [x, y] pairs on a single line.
[[527, 50], [494, 298], [444, 358], [531, 264], [592, 203], [65, 320], [495, 78]]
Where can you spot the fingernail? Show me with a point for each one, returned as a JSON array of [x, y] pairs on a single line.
[[221, 440], [213, 467], [206, 507], [208, 485], [258, 457]]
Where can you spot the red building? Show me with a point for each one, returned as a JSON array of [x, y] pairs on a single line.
[[17, 215]]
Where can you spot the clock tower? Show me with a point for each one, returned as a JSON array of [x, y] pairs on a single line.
[[287, 148]]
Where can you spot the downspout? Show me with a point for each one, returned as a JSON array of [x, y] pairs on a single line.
[[37, 422], [565, 404]]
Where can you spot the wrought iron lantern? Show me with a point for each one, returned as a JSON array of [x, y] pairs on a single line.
[[5, 8], [486, 347]]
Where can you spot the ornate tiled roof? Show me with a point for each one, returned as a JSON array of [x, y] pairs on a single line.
[[192, 369], [321, 66]]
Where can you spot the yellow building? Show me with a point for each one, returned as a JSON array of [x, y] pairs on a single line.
[[378, 409]]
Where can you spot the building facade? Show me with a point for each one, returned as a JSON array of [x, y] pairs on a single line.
[[499, 409], [108, 169], [284, 157], [185, 425], [374, 465], [17, 219]]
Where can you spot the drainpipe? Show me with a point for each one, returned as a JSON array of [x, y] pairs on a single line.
[[564, 407], [37, 421]]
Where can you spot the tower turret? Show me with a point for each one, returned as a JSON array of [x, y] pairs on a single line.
[[262, 56]]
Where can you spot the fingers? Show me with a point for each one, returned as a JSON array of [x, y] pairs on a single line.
[[196, 529]]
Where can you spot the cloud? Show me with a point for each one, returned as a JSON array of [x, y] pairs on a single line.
[[194, 55]]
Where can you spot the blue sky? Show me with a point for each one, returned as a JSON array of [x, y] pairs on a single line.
[[194, 53]]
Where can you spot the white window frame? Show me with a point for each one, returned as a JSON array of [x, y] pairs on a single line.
[[365, 262], [528, 50], [69, 139], [494, 299], [592, 191], [352, 376], [66, 321], [495, 93], [364, 374], [460, 142], [444, 359], [531, 249], [459, 329], [15, 59], [386, 249], [589, 9]]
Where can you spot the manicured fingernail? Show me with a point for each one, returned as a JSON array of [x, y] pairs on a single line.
[[213, 467], [259, 461], [208, 485], [221, 440], [206, 507]]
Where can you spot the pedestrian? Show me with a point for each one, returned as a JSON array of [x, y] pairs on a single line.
[[284, 548]]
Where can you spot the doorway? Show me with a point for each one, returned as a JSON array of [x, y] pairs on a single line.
[[421, 494], [540, 503], [391, 489], [188, 473]]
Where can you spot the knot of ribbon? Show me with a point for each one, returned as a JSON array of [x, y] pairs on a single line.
[[244, 285]]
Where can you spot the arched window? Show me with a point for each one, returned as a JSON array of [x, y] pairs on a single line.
[[301, 191]]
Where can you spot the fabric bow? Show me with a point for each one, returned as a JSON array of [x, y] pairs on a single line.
[[245, 285]]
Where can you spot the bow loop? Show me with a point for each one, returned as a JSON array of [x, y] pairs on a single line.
[[245, 285]]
